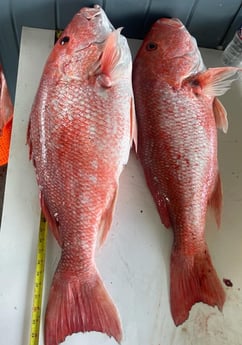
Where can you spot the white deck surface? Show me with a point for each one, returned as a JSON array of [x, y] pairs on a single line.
[[134, 262]]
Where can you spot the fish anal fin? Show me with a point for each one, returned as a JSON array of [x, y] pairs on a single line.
[[162, 206], [52, 222], [216, 198], [193, 279], [220, 115], [106, 219], [76, 304]]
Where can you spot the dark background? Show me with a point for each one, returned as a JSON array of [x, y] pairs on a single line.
[[211, 22]]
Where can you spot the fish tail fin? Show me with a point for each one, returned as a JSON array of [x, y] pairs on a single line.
[[193, 279], [76, 305]]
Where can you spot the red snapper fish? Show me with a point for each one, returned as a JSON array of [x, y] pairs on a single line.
[[81, 128], [177, 115]]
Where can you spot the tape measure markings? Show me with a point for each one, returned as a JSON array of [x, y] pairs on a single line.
[[38, 282]]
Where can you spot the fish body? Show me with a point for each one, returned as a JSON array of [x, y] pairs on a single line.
[[177, 115], [80, 132]]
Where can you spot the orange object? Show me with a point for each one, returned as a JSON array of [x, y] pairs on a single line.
[[6, 119], [5, 142]]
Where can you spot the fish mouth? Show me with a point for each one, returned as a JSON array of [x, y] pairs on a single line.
[[98, 15], [173, 22], [91, 12]]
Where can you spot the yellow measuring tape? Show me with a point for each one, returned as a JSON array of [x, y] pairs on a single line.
[[38, 282]]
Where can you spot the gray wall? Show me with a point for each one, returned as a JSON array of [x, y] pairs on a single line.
[[211, 22]]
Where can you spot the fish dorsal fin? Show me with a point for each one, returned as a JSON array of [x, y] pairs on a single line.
[[109, 59], [214, 81], [220, 115]]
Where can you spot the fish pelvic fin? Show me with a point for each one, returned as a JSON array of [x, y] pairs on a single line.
[[78, 305], [193, 279]]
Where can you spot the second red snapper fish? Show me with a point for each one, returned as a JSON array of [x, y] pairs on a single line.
[[177, 115], [81, 128]]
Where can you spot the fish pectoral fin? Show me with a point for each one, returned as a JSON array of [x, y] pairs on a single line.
[[215, 201], [220, 115], [214, 81], [106, 219], [103, 69], [111, 53], [50, 220]]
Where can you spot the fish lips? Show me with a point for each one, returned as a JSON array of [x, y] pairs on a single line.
[[93, 27]]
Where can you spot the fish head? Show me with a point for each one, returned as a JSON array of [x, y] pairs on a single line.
[[80, 43], [169, 49]]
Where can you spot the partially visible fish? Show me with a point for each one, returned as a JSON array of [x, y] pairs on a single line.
[[81, 128], [177, 114], [6, 116]]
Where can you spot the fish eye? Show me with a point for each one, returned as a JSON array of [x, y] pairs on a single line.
[[151, 46], [64, 40]]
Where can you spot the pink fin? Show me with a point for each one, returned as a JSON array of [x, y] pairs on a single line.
[[214, 81], [76, 305], [216, 200], [193, 279], [50, 220], [161, 204], [220, 115], [107, 218], [109, 59], [111, 53]]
